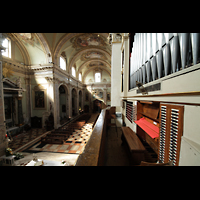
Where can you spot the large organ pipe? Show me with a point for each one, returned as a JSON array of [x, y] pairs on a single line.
[[148, 70], [166, 55], [195, 46], [160, 55], [145, 57], [149, 52], [144, 73], [153, 60], [184, 43], [174, 52], [145, 48], [140, 57], [154, 67]]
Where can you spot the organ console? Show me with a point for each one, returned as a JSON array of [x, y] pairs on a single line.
[[161, 126]]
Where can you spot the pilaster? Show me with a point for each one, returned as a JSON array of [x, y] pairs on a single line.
[[116, 72], [3, 141], [126, 65]]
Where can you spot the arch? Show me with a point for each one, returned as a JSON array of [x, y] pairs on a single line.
[[64, 39], [74, 102], [59, 45], [45, 44], [66, 86], [91, 69], [71, 63], [63, 110], [80, 100], [92, 60], [22, 48]]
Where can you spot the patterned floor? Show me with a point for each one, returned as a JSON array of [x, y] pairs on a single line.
[[75, 144], [23, 138]]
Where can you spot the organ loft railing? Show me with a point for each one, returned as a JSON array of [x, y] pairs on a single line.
[[155, 55]]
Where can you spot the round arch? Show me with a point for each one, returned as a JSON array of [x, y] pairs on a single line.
[[92, 60], [91, 69], [21, 47], [63, 110], [60, 44], [71, 63], [64, 39], [74, 100], [44, 43], [80, 100]]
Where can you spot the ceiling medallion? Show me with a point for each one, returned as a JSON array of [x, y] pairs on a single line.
[[88, 39]]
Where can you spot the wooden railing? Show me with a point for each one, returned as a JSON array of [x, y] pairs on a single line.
[[94, 153]]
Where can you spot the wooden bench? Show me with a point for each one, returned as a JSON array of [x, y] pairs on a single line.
[[135, 146]]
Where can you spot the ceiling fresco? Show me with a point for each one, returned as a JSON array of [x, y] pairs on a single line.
[[82, 50], [88, 39], [95, 63], [92, 55]]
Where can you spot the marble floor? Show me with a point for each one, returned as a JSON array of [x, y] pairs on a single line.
[[75, 144], [25, 137], [68, 151]]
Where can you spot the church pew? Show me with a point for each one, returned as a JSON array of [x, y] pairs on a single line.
[[53, 139]]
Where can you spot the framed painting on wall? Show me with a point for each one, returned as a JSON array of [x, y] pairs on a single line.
[[39, 97]]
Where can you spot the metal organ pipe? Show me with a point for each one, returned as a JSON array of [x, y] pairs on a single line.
[[148, 66], [195, 46], [174, 51], [184, 43], [155, 55], [153, 60], [144, 58], [166, 55]]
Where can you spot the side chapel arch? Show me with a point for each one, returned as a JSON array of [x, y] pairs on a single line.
[[63, 110]]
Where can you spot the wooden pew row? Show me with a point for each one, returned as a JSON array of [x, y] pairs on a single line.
[[59, 135]]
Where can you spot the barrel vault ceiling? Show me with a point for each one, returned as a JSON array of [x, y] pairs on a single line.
[[84, 51]]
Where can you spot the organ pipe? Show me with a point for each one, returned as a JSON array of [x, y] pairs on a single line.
[[155, 55]]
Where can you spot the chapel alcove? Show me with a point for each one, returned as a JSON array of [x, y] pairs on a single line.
[[74, 102], [63, 102]]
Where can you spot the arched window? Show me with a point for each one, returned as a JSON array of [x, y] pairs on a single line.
[[80, 77], [7, 44], [73, 72], [62, 63], [97, 77]]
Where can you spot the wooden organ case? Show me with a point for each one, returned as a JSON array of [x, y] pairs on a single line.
[[171, 130], [161, 126]]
